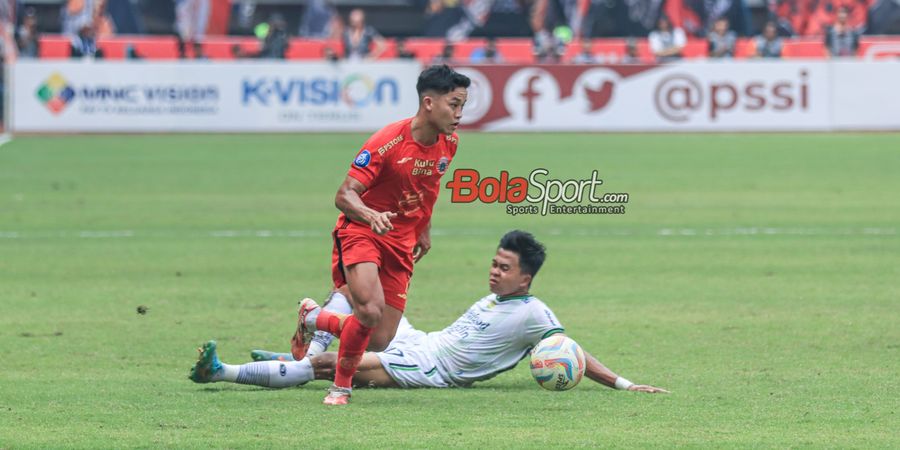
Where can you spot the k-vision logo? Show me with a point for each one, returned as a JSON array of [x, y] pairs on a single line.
[[549, 195]]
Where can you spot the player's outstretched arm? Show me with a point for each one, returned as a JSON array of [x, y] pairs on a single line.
[[348, 200], [596, 371]]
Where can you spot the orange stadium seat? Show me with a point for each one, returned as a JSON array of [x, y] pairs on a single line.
[[696, 48], [516, 50], [744, 48], [425, 49], [463, 50], [811, 47], [159, 47], [54, 47], [223, 47], [609, 49], [390, 50], [880, 47], [147, 47], [311, 48]]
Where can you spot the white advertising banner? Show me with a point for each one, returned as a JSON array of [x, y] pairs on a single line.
[[87, 96], [143, 96], [866, 96], [709, 96]]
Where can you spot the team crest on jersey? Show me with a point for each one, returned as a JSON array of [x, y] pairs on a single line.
[[442, 165], [362, 160]]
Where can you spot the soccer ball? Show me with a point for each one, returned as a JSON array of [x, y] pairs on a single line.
[[557, 363]]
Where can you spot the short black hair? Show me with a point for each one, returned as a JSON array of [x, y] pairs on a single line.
[[531, 252], [441, 79]]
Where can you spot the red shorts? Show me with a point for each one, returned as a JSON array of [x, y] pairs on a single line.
[[394, 263]]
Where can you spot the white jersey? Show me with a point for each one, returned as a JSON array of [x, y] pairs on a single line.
[[491, 337]]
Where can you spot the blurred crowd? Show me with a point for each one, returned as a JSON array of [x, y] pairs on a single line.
[[552, 24]]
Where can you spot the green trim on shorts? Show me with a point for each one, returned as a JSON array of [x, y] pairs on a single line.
[[552, 332], [404, 367]]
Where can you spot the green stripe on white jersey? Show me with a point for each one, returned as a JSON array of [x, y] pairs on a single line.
[[490, 337]]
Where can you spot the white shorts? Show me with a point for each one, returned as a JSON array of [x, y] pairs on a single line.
[[407, 361]]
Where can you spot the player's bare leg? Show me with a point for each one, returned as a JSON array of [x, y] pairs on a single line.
[[384, 333], [368, 307], [382, 336], [366, 293], [370, 317], [370, 372]]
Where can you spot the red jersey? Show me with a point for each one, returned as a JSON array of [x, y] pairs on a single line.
[[401, 176]]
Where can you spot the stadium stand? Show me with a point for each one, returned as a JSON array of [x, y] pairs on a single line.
[[513, 50], [401, 18]]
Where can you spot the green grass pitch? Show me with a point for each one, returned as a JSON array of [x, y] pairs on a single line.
[[755, 276]]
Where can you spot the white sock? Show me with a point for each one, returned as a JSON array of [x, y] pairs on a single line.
[[275, 374], [228, 373], [338, 304], [320, 342]]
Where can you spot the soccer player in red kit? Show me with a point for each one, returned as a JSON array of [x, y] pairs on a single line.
[[386, 203]]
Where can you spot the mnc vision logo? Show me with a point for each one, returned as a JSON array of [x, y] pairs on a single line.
[[355, 90], [55, 93]]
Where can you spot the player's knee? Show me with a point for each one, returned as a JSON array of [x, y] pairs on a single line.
[[378, 344], [379, 341], [369, 314]]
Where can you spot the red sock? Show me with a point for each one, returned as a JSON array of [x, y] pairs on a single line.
[[330, 322], [354, 340]]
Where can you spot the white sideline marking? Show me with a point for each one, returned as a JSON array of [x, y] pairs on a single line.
[[5, 139], [301, 234]]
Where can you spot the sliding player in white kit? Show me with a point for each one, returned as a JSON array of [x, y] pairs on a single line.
[[491, 337]]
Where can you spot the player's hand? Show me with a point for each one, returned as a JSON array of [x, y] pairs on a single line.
[[647, 388], [422, 246], [381, 223]]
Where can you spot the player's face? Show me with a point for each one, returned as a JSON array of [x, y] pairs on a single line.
[[506, 275], [446, 110]]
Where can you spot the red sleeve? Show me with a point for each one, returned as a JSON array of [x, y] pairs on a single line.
[[366, 166], [370, 159]]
